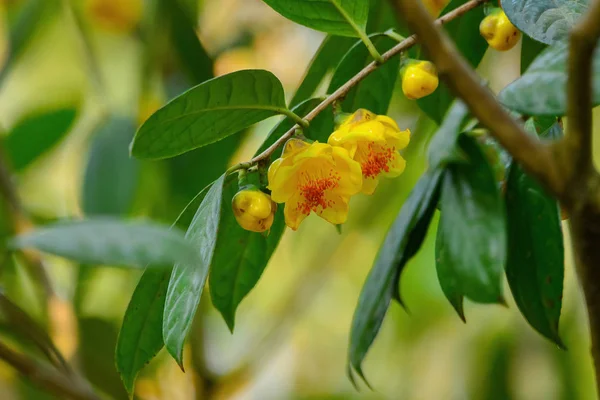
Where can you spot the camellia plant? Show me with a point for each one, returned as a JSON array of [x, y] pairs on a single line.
[[500, 168]]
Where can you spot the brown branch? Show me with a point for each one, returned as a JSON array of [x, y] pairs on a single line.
[[344, 89], [45, 377]]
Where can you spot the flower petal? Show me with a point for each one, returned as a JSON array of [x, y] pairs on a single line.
[[396, 165], [292, 213], [336, 211], [369, 185], [350, 172], [283, 181]]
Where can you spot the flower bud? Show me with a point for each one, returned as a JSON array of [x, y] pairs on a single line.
[[419, 79], [498, 31], [254, 210]]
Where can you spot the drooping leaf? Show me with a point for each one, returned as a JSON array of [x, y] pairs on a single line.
[[546, 21], [37, 134], [188, 279], [328, 55], [111, 176], [141, 336], [443, 148], [464, 32], [338, 17], [530, 49], [402, 242], [105, 241], [542, 89], [471, 255], [375, 92], [210, 112]]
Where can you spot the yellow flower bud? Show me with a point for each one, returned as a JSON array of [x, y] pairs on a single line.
[[499, 32], [119, 16], [254, 210], [419, 80]]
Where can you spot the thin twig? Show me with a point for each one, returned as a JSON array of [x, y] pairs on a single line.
[[343, 90], [45, 377], [535, 156]]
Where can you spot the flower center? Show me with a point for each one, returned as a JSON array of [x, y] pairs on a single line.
[[313, 189], [377, 160]]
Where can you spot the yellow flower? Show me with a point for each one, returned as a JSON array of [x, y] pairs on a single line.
[[373, 141], [254, 210], [315, 178], [419, 79], [498, 31], [119, 16]]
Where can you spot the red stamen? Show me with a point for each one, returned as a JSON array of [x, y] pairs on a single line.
[[378, 160], [313, 191]]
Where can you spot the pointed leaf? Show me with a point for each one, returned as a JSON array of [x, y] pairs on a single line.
[[110, 242], [187, 280], [472, 253], [210, 112], [401, 243], [443, 148], [447, 278], [338, 17]]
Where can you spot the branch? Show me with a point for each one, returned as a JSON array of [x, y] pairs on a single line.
[[343, 90], [44, 377], [535, 156]]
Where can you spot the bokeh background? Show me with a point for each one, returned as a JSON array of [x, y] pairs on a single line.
[[292, 330]]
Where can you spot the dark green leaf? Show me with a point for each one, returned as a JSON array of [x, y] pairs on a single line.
[[210, 112], [546, 21], [471, 256], [443, 148], [542, 89], [447, 278], [375, 92], [535, 265], [338, 17], [530, 49], [37, 134], [187, 280], [328, 55], [401, 243], [240, 258], [141, 337], [464, 32], [110, 242], [111, 176]]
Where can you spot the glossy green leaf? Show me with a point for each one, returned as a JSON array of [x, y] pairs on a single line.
[[542, 89], [141, 336], [464, 32], [443, 148], [530, 49], [188, 279], [37, 134], [546, 21], [240, 258], [328, 55], [402, 242], [210, 112], [375, 92], [111, 176], [338, 17], [110, 242], [472, 254], [447, 278]]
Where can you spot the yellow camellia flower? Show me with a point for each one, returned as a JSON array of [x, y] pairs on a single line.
[[419, 79], [373, 141], [498, 31], [315, 178], [119, 16], [254, 210]]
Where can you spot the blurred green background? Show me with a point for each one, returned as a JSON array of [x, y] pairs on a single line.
[[111, 65]]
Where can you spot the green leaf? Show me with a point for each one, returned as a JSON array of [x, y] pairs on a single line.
[[542, 89], [240, 258], [210, 112], [443, 148], [546, 21], [141, 337], [37, 134], [328, 55], [530, 49], [111, 176], [374, 92], [338, 17], [447, 278], [402, 242], [110, 242], [472, 253], [187, 280], [464, 32]]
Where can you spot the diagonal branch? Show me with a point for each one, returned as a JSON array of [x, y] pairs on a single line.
[[535, 156]]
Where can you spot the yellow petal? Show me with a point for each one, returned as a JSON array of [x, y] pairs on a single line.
[[292, 213], [396, 165], [372, 131], [397, 139], [350, 172], [385, 120], [294, 146], [369, 185], [283, 181], [336, 211]]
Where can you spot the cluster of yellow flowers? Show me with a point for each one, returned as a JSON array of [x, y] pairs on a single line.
[[321, 177]]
